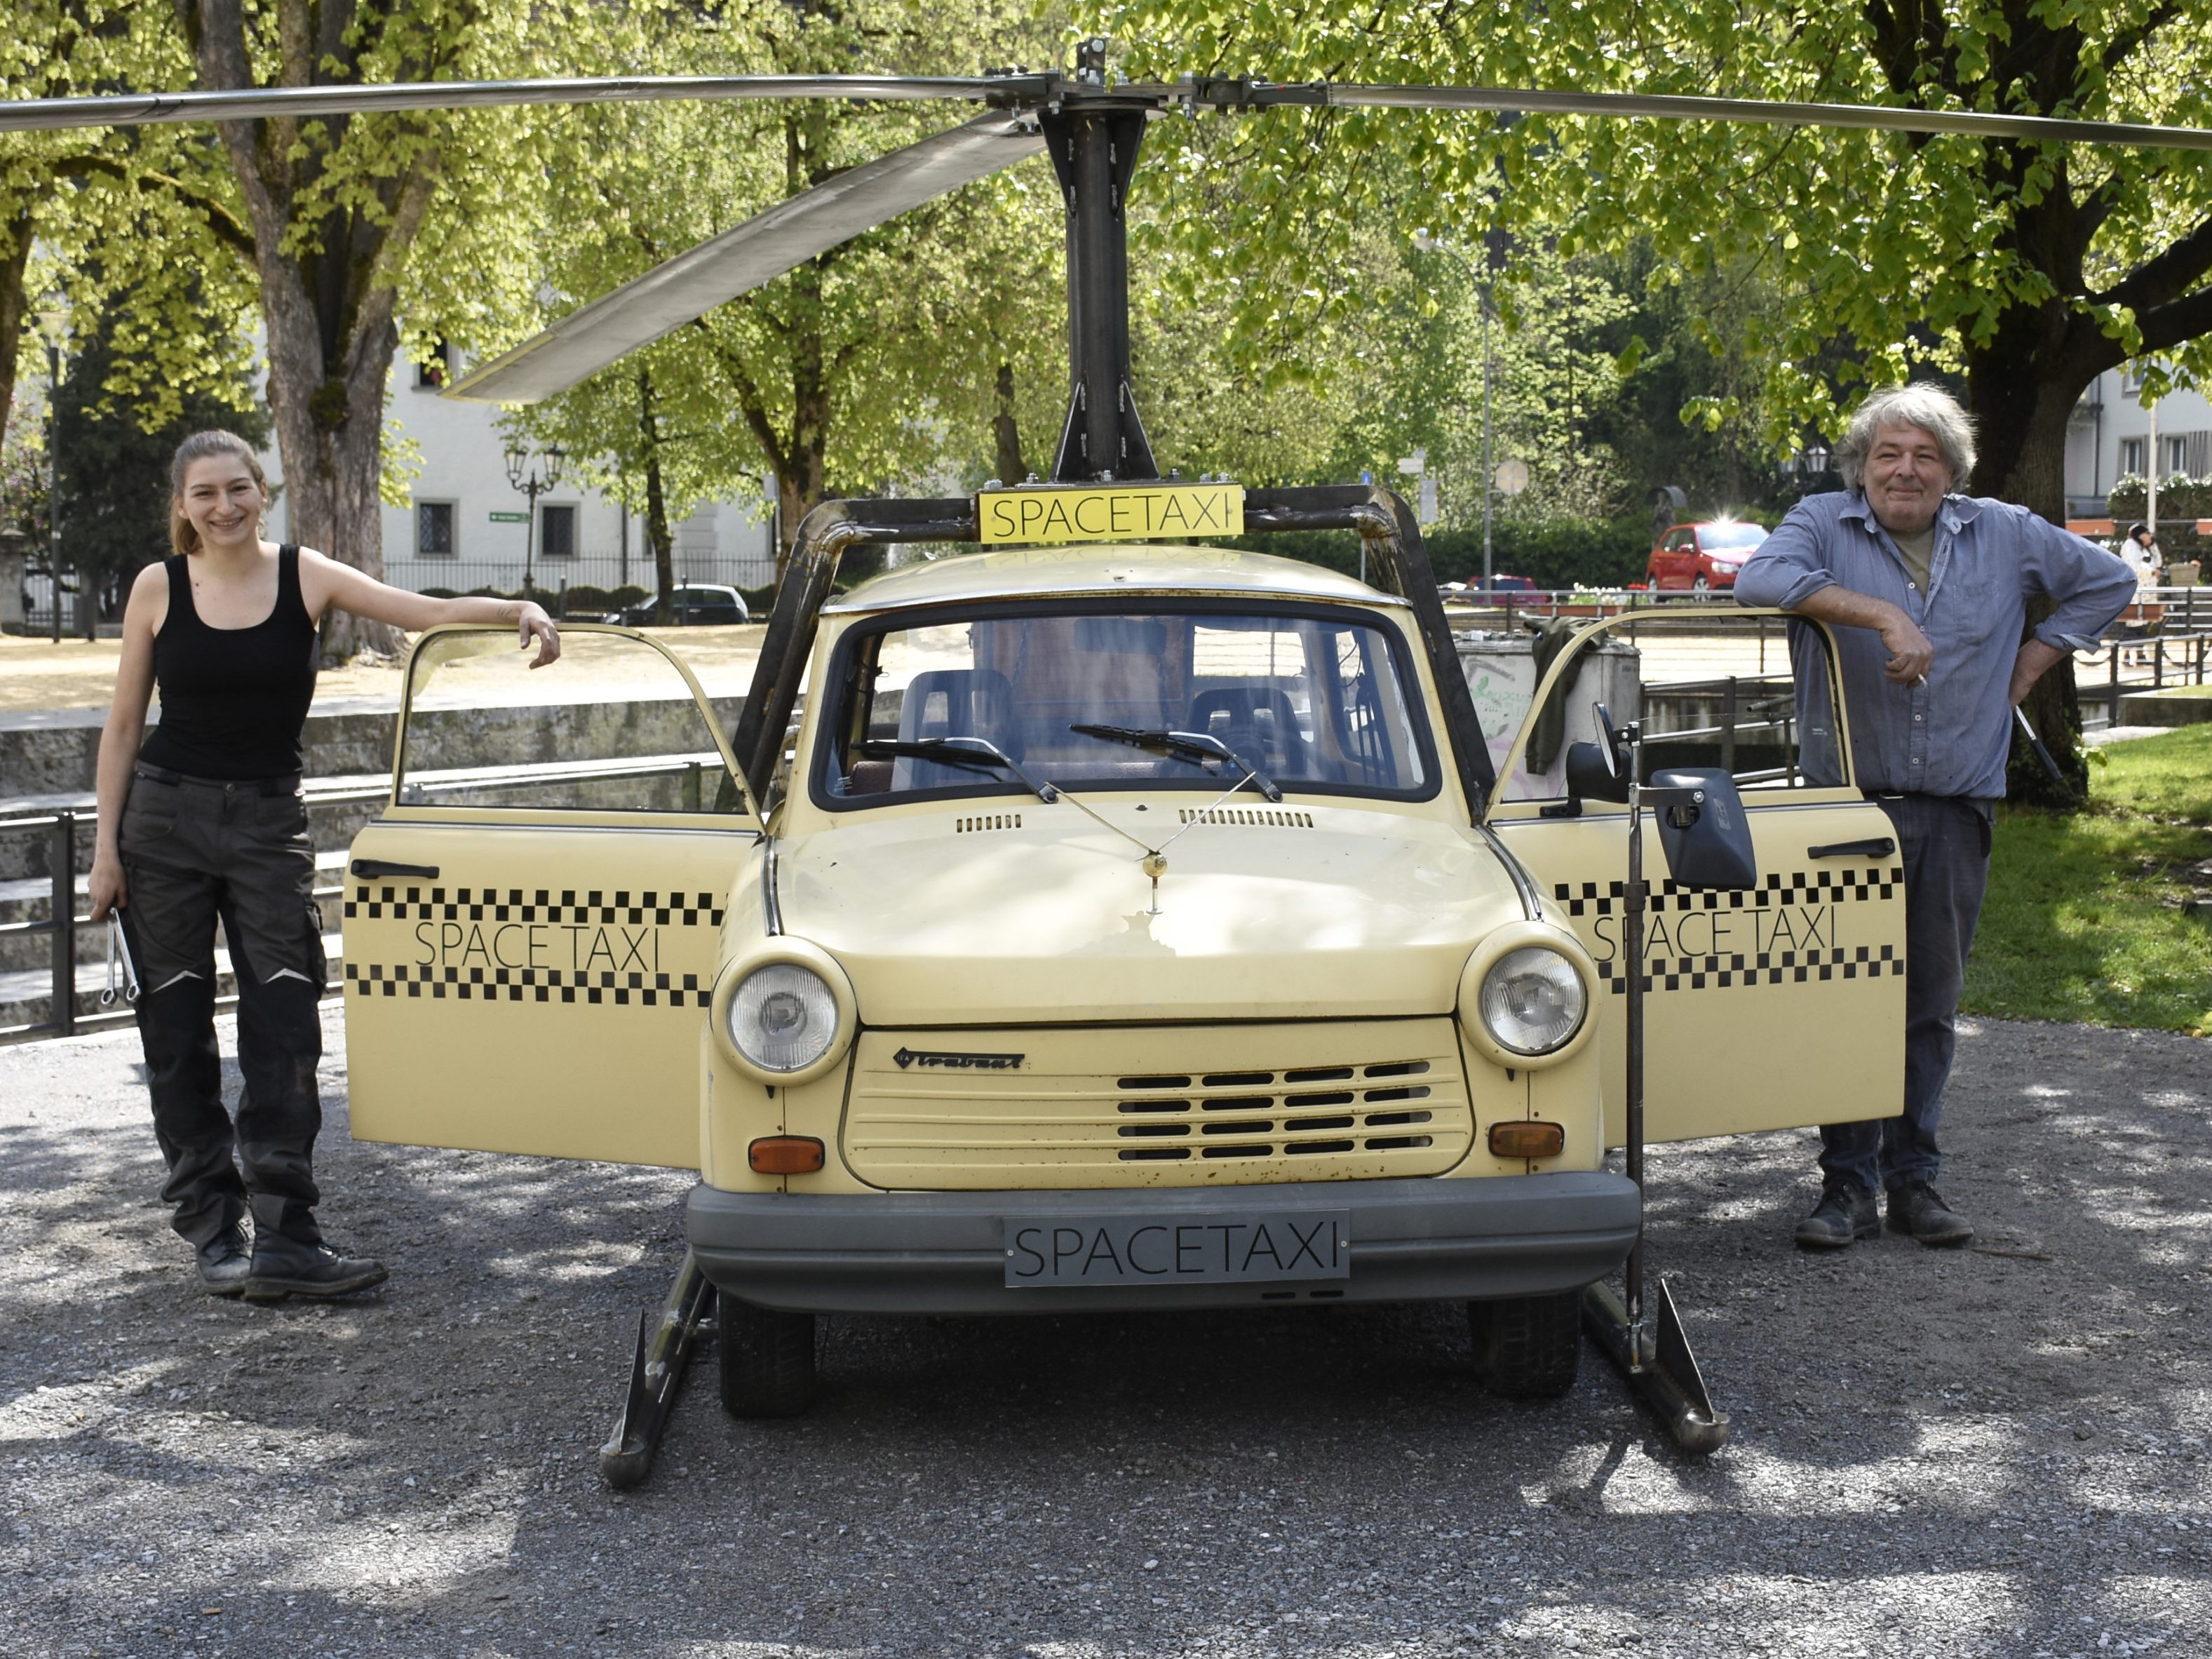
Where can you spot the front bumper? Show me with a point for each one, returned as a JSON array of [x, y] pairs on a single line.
[[1419, 1239]]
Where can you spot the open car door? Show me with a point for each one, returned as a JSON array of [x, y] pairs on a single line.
[[530, 947], [1773, 1008]]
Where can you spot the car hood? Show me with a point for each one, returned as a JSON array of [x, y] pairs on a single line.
[[1033, 914]]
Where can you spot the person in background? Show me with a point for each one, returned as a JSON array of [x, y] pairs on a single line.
[[2140, 551], [204, 819], [1926, 590]]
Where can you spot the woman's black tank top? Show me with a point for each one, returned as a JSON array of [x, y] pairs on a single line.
[[233, 700]]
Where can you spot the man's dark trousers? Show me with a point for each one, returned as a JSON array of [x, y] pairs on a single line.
[[1945, 840]]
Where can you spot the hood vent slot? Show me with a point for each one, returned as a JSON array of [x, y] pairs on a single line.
[[1279, 818], [987, 821]]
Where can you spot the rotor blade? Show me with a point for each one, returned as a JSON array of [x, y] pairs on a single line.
[[262, 103], [1880, 118], [742, 259]]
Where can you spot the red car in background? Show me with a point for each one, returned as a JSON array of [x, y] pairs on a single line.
[[1700, 557]]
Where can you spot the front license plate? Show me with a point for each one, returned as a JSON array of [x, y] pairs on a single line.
[[1185, 1250]]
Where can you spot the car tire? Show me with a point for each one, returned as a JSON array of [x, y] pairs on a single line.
[[768, 1360], [1528, 1348], [1702, 587]]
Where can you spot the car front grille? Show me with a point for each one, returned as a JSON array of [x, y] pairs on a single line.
[[1164, 1106]]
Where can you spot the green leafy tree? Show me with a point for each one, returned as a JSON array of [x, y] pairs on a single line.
[[2023, 268], [112, 450]]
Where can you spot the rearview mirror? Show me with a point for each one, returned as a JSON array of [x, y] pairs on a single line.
[[1589, 778], [1703, 830]]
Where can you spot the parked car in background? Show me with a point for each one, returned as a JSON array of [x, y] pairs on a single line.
[[694, 604], [1499, 583], [1700, 557]]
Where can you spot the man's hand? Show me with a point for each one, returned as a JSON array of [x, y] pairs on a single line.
[[1910, 653], [534, 624], [2035, 660]]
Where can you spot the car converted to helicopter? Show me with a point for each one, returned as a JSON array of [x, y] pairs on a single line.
[[1119, 922]]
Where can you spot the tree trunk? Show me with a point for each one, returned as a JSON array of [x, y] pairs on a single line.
[[326, 294], [1005, 431], [15, 305], [657, 529], [2022, 444]]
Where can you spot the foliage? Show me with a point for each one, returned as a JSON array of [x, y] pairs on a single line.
[[113, 447], [1552, 553], [2084, 918]]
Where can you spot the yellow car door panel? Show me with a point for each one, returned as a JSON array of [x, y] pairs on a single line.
[[534, 977]]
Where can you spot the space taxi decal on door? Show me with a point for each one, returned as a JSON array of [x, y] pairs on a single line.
[[648, 949], [1792, 929]]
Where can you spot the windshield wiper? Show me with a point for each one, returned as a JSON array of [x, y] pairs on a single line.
[[978, 754], [1197, 747]]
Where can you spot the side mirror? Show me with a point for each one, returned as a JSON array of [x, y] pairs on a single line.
[[1703, 830], [1589, 778]]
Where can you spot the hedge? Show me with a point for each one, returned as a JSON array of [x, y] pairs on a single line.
[[1602, 553]]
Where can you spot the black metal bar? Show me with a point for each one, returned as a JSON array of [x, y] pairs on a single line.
[[823, 535], [1631, 951], [1094, 152], [62, 878]]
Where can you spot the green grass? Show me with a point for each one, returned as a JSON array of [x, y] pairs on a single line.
[[2083, 920]]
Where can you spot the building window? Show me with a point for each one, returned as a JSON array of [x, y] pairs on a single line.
[[2184, 454], [2131, 456], [434, 530], [557, 531], [431, 373]]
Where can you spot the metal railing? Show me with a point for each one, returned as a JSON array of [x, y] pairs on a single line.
[[64, 828]]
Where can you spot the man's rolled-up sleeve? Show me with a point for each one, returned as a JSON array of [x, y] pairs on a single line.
[[2090, 587], [1788, 567]]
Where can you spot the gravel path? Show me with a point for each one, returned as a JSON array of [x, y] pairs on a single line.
[[1999, 1452]]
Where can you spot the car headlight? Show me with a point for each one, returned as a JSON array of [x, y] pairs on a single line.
[[1725, 567], [782, 1017], [1532, 1001]]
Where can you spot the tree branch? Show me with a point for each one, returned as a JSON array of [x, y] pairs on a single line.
[[221, 222]]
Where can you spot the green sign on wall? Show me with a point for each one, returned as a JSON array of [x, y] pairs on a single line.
[[510, 518]]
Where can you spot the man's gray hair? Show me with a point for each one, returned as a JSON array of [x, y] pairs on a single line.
[[1931, 408]]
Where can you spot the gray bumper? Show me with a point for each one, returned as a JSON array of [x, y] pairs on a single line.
[[1417, 1240]]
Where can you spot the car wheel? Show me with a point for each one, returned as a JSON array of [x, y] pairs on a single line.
[[1703, 587], [768, 1360], [1528, 1347]]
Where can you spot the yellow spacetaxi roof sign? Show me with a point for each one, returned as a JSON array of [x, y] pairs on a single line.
[[1109, 513]]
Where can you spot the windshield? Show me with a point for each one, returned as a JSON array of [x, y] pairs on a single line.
[[1739, 538], [1314, 699]]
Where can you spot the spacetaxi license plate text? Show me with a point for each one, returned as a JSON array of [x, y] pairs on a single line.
[[1066, 1250]]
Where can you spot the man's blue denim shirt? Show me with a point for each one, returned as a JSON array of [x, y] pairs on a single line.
[[1953, 735]]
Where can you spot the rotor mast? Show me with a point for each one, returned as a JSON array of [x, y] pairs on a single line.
[[1093, 135]]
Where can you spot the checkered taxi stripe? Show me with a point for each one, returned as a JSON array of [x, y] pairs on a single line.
[[1743, 968], [623, 987]]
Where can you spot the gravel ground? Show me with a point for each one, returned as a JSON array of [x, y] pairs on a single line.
[[1995, 1452]]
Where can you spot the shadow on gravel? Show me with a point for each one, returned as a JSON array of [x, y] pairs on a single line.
[[1963, 1453]]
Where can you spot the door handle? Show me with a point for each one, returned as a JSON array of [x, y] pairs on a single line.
[[1873, 846], [372, 868]]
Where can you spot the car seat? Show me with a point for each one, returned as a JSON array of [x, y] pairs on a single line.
[[1258, 722], [954, 702]]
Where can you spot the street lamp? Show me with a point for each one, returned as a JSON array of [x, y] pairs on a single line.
[[533, 474], [1428, 244], [52, 324]]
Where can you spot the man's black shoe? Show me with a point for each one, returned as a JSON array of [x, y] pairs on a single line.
[[1917, 1210], [284, 1266], [1843, 1215], [225, 1261]]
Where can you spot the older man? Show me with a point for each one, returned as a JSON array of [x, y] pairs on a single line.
[[1926, 590]]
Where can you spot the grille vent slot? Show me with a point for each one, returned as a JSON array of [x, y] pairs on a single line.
[[968, 826], [1277, 1114], [1281, 818]]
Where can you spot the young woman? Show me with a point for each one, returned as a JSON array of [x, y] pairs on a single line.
[[205, 820]]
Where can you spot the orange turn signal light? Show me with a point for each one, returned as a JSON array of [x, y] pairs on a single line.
[[785, 1155], [1527, 1139]]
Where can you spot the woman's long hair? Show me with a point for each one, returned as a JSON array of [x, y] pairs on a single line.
[[198, 447]]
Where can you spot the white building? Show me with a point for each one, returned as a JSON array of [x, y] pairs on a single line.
[[2110, 437], [466, 526]]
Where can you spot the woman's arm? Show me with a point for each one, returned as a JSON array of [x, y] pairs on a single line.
[[126, 729], [324, 583]]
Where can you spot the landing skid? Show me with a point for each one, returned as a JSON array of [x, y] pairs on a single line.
[[1666, 1378], [663, 1349]]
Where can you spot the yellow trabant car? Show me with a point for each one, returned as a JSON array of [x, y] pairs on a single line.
[[1118, 933]]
